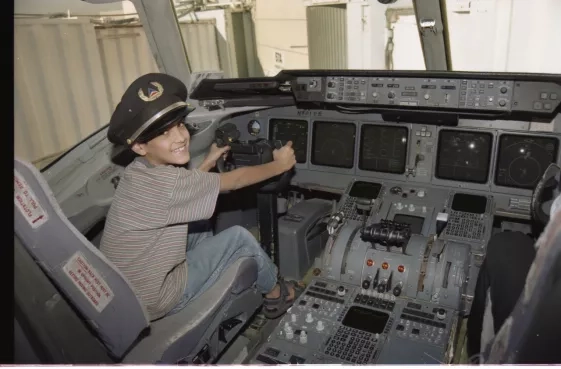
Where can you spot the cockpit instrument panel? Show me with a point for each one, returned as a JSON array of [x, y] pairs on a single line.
[[333, 144], [294, 130], [522, 159], [464, 156], [383, 148]]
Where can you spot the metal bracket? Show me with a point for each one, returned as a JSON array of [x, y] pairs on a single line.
[[427, 24]]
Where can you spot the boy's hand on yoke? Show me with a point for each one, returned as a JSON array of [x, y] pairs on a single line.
[[214, 154], [285, 156]]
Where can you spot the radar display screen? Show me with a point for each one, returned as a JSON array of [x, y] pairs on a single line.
[[383, 148], [464, 156], [293, 130], [522, 160], [368, 320], [467, 203], [333, 144], [367, 190]]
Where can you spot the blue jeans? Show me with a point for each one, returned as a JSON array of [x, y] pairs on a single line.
[[209, 256]]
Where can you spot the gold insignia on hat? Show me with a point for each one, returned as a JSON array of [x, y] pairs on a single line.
[[152, 93], [129, 141]]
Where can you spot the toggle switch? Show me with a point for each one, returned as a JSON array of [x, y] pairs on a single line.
[[309, 318], [320, 326]]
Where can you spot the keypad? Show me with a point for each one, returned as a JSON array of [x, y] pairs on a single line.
[[465, 225], [349, 209], [351, 345]]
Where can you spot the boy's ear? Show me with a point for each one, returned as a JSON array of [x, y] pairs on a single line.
[[139, 149]]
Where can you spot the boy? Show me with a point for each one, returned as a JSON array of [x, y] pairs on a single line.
[[147, 226]]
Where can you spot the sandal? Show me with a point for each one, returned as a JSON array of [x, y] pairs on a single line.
[[273, 308]]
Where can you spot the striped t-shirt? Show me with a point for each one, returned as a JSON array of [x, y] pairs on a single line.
[[146, 228]]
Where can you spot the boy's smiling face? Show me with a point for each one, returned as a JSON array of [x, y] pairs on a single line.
[[170, 147]]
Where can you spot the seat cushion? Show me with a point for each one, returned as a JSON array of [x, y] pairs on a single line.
[[174, 337]]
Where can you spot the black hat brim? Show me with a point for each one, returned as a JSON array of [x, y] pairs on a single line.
[[163, 124]]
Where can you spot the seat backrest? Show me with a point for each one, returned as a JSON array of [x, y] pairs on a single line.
[[529, 333], [95, 287]]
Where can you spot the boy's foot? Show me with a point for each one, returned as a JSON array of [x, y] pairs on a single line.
[[281, 298]]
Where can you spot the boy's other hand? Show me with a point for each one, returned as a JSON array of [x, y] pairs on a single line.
[[215, 153], [285, 156]]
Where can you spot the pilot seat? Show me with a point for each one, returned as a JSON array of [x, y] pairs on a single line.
[[106, 300]]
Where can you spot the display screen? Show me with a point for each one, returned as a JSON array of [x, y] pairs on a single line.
[[464, 156], [469, 203], [522, 160], [383, 148], [366, 320], [416, 223], [367, 190], [291, 130], [333, 144]]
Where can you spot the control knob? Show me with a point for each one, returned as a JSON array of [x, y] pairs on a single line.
[[399, 206], [309, 318], [397, 289], [391, 95], [366, 284], [341, 291], [411, 207], [382, 287], [441, 314], [303, 337], [421, 193], [288, 330], [396, 190], [320, 326]]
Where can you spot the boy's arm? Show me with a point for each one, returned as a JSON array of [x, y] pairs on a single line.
[[284, 159], [248, 176]]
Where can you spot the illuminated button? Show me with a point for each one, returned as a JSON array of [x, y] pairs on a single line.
[[553, 96], [369, 262], [543, 95], [385, 265], [400, 268]]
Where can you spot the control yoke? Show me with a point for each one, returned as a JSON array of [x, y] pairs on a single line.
[[248, 153]]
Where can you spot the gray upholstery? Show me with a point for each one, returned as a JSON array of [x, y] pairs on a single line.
[[52, 241], [171, 338]]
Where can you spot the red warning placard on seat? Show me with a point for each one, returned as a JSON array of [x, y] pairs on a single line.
[[26, 202], [88, 281]]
